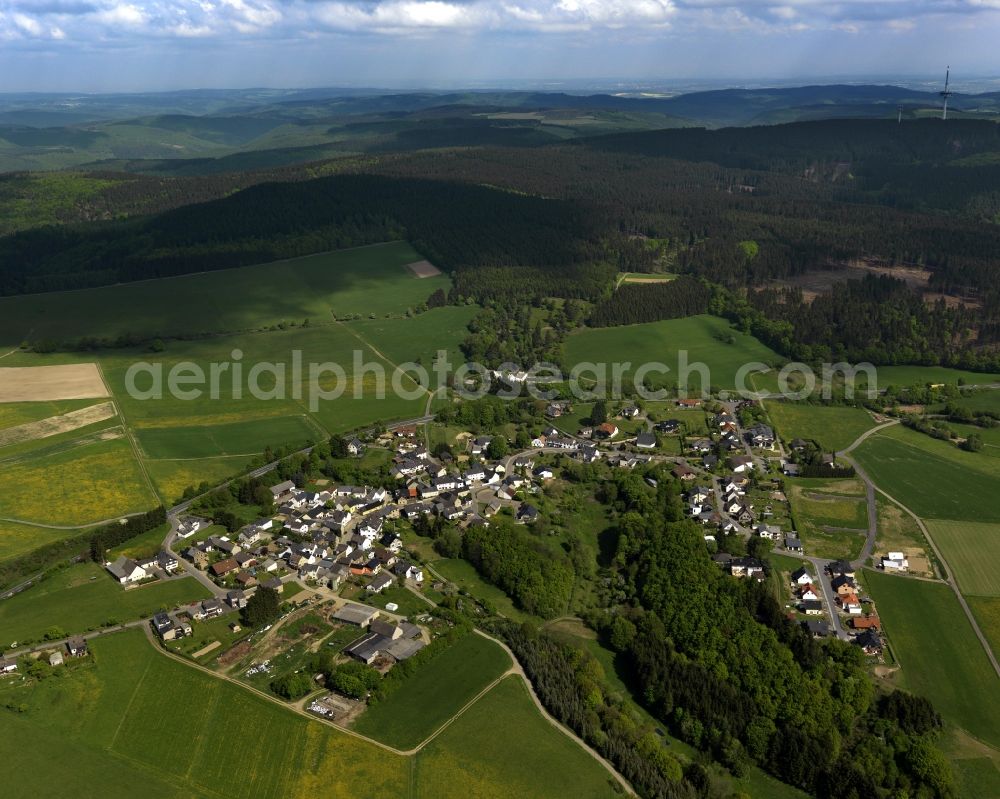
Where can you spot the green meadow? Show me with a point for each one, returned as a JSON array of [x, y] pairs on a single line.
[[833, 427], [706, 339], [81, 485], [172, 477], [84, 597], [938, 651], [502, 748], [932, 478], [110, 722], [234, 438], [17, 539], [922, 375], [417, 339], [13, 414], [433, 694], [972, 550], [366, 280]]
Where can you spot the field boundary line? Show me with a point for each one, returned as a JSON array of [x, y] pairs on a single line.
[[128, 707], [86, 526], [131, 439]]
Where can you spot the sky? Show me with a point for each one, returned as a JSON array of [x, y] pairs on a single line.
[[149, 45]]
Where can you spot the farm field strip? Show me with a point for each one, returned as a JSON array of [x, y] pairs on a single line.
[[972, 550], [45, 383], [940, 655], [934, 479], [54, 425], [97, 481]]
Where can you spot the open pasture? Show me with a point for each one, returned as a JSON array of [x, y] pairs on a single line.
[[83, 597], [82, 485], [972, 550], [938, 651], [432, 695], [932, 478], [418, 338], [17, 539], [172, 477], [115, 709], [704, 339], [234, 438], [833, 427], [501, 747], [366, 280], [57, 382]]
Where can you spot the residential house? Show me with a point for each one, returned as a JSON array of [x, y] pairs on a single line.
[[224, 567], [793, 544], [126, 571], [355, 446], [801, 576], [740, 463], [645, 441], [606, 430], [812, 607], [527, 514], [896, 562], [76, 647], [869, 641], [849, 603], [379, 583]]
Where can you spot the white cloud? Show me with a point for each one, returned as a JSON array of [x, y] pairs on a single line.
[[94, 20]]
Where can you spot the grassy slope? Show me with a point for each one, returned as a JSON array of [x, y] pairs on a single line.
[[987, 613], [84, 597], [234, 438], [172, 477], [435, 693], [364, 280], [17, 539], [184, 741], [834, 427], [702, 337], [972, 550], [940, 655], [933, 478], [13, 414], [83, 485], [501, 747]]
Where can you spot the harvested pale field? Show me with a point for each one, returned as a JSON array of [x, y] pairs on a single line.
[[422, 269], [40, 383], [54, 425]]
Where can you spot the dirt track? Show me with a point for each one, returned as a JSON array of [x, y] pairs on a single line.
[[40, 383]]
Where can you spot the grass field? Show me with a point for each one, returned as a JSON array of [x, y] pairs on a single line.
[[897, 530], [704, 338], [987, 613], [101, 480], [831, 516], [922, 375], [419, 338], [972, 550], [112, 720], [526, 756], [235, 438], [986, 400], [171, 477], [367, 280], [185, 734], [17, 539], [932, 478], [938, 651], [438, 690], [834, 427], [84, 597]]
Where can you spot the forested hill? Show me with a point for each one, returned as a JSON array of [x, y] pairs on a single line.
[[798, 145], [741, 208]]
